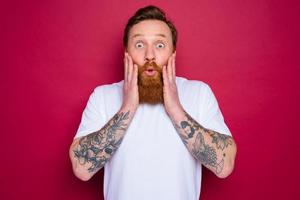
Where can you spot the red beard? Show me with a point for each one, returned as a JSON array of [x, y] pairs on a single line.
[[150, 87]]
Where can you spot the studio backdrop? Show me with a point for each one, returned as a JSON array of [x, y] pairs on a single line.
[[54, 53]]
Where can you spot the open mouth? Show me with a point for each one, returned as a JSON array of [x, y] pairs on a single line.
[[150, 71]]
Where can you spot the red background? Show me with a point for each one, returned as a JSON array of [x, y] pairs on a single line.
[[54, 53]]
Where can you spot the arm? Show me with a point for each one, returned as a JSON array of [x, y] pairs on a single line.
[[89, 154], [214, 150]]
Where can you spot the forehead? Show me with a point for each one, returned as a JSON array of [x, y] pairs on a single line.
[[150, 28]]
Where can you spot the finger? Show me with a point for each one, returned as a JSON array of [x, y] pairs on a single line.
[[130, 67], [169, 69], [165, 76], [135, 74], [174, 67], [125, 67]]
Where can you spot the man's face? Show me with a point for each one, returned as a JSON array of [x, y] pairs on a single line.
[[150, 46], [150, 40]]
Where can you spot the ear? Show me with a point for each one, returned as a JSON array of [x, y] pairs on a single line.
[[173, 54]]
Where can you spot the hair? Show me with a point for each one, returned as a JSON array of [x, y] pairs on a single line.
[[149, 13]]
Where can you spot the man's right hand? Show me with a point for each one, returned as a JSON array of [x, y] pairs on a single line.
[[130, 88]]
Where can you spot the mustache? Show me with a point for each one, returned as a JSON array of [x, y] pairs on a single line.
[[152, 64]]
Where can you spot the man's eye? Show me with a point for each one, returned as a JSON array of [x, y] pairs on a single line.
[[160, 45], [139, 45]]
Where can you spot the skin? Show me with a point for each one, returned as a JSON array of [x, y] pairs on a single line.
[[151, 40]]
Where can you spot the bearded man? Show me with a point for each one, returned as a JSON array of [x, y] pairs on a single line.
[[153, 131]]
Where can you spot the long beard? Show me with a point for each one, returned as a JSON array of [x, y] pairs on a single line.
[[150, 87]]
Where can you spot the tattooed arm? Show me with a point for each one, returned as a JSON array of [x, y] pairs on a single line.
[[89, 154], [214, 150]]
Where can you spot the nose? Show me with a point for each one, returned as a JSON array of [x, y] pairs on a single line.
[[149, 55]]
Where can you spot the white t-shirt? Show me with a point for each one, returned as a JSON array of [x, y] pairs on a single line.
[[152, 162]]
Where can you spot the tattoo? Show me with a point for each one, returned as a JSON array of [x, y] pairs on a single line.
[[222, 141], [207, 154], [201, 150], [96, 148]]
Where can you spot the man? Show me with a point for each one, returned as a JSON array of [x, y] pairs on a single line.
[[152, 131]]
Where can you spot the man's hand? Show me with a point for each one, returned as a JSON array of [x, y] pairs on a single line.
[[89, 153], [171, 99], [130, 88], [214, 150]]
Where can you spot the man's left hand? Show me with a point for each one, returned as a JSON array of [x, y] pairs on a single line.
[[171, 99]]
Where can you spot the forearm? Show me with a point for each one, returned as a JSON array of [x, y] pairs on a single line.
[[91, 152], [214, 150]]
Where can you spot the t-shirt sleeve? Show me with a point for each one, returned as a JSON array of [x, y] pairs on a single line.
[[212, 115], [93, 116]]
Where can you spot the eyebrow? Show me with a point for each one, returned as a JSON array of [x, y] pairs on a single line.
[[160, 34]]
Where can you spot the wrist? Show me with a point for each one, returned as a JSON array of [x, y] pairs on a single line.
[[128, 107], [176, 113]]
